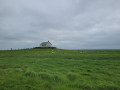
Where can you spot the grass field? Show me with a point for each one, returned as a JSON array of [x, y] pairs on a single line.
[[44, 69]]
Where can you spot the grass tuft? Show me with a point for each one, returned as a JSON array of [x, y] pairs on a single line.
[[30, 74], [72, 77]]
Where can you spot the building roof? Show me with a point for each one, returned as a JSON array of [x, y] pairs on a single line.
[[44, 43]]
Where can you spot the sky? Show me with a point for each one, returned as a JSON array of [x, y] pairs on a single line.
[[67, 24]]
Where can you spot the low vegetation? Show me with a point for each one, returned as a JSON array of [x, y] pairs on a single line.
[[47, 69]]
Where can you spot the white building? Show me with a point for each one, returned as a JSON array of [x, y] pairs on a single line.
[[46, 44]]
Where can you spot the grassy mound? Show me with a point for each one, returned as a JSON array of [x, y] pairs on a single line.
[[47, 69]]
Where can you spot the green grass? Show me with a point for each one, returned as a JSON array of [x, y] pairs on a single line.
[[44, 69]]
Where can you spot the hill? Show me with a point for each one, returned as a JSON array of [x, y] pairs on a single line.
[[56, 69]]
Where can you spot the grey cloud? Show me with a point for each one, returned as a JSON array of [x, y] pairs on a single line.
[[69, 24]]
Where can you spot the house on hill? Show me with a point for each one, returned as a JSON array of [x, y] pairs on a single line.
[[46, 44]]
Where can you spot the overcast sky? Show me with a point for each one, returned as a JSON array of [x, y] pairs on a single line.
[[67, 24]]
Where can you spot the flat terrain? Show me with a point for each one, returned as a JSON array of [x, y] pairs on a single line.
[[47, 69]]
